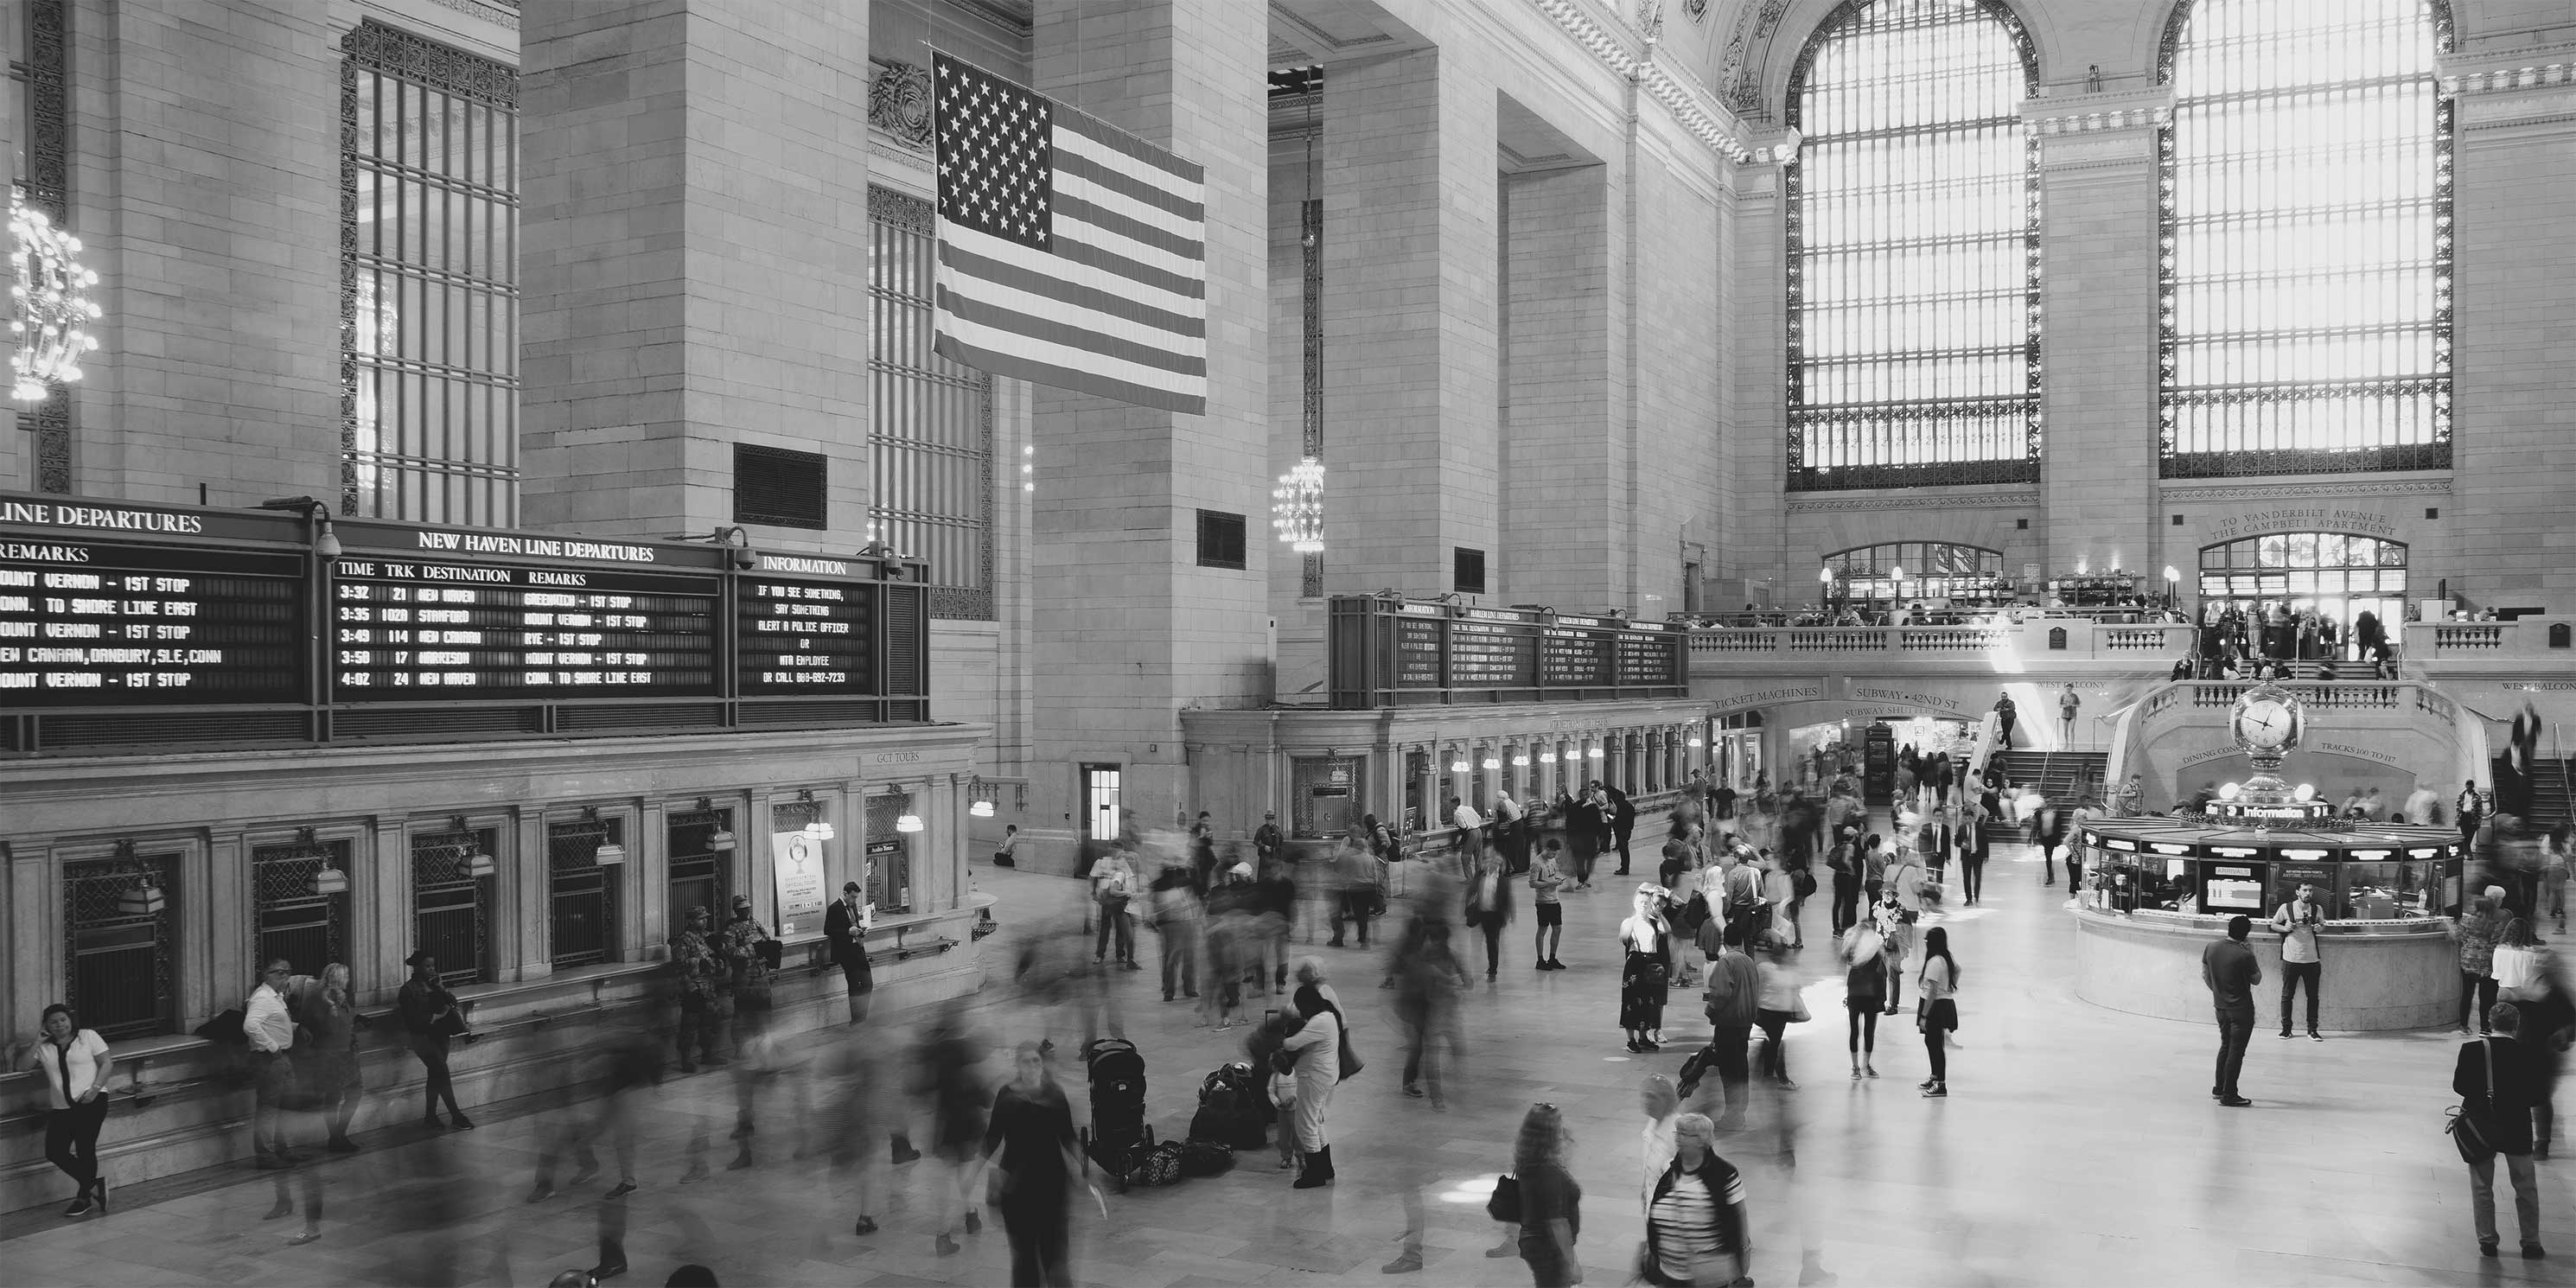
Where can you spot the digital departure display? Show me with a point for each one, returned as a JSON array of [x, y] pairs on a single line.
[[406, 629], [804, 636], [87, 622]]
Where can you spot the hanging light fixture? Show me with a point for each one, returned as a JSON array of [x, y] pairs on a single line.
[[1520, 761], [1297, 507], [329, 880], [609, 854], [1547, 758], [1493, 762], [473, 862], [1458, 765], [50, 311], [907, 822]]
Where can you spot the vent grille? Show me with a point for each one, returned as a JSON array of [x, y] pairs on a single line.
[[55, 732], [811, 715], [903, 627], [778, 487], [657, 715], [447, 723]]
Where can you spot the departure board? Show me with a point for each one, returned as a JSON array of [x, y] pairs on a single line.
[[804, 636], [408, 629], [1578, 655], [1417, 652], [86, 622], [1489, 650], [1645, 656]]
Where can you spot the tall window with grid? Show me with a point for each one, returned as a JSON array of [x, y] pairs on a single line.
[[1913, 249], [2305, 198], [429, 300], [930, 431]]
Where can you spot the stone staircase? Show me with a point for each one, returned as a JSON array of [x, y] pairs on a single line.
[[2055, 773]]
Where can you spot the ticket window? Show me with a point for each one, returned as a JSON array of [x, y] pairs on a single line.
[[2228, 889], [889, 852]]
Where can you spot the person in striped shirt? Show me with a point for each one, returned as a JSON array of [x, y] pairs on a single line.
[[1696, 1229]]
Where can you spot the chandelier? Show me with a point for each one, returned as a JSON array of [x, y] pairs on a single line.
[[1297, 507], [49, 312]]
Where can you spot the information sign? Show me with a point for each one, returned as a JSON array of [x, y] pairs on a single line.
[[87, 622], [804, 636]]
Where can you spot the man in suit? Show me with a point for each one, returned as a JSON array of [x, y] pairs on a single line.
[[2497, 1082], [846, 925]]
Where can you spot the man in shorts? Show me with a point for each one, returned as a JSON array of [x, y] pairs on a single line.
[[1545, 879]]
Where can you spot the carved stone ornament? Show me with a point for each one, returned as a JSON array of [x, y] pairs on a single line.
[[899, 102]]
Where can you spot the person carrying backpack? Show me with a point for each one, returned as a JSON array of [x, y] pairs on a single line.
[[1733, 996]]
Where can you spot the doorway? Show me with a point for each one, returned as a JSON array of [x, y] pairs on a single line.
[[1100, 802]]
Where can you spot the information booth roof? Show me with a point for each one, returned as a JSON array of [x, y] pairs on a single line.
[[2358, 842]]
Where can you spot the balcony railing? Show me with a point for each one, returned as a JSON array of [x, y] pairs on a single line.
[[2530, 637], [2068, 636]]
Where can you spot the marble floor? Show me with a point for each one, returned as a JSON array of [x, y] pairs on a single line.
[[2078, 1146]]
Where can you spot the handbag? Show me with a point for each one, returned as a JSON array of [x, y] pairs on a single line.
[[1800, 1014], [1351, 1062], [1505, 1205], [2475, 1149]]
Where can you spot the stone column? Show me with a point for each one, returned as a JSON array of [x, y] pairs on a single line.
[[1753, 325], [694, 251], [1129, 628], [2514, 436], [1410, 318], [1565, 441], [2097, 168]]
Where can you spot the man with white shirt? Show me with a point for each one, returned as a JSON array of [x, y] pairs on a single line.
[[271, 1032], [1471, 828], [2297, 923]]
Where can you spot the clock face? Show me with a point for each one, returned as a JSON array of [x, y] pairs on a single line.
[[2267, 723]]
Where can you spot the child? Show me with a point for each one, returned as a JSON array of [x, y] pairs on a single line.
[[1283, 1097]]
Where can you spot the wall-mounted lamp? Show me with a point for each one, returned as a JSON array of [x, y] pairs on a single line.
[[907, 822], [1596, 753], [1493, 762], [719, 841], [1520, 762], [980, 809], [1547, 758], [1458, 766], [1698, 741], [474, 861], [144, 897]]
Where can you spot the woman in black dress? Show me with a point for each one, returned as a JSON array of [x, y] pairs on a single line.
[[1032, 1133]]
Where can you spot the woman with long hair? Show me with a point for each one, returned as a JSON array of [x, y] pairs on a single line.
[[1551, 1202], [1642, 981], [1937, 1013], [1030, 1138], [2479, 930], [326, 1057]]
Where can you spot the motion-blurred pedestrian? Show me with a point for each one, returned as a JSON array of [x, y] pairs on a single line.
[[1551, 1201], [1030, 1143]]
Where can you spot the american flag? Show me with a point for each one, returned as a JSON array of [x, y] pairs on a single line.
[[1071, 253]]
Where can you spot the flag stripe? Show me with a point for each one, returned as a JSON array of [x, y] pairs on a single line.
[[1020, 280], [1005, 353], [1160, 221], [1075, 264], [1076, 379], [1069, 117], [1084, 221], [1069, 334], [1071, 161]]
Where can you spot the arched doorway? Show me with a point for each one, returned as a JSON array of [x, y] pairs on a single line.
[[2339, 574]]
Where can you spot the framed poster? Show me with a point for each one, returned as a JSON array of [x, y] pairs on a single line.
[[797, 864]]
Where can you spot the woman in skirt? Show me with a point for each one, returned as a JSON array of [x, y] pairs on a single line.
[[1648, 940]]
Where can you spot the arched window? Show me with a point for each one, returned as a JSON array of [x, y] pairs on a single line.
[[2305, 261], [1913, 249], [1919, 570]]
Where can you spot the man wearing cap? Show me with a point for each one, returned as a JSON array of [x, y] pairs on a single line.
[[701, 1013], [271, 1031], [1266, 840], [846, 924]]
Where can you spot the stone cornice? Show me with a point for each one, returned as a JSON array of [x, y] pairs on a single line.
[[2136, 109], [2000, 499], [2272, 487], [2521, 71], [1691, 103]]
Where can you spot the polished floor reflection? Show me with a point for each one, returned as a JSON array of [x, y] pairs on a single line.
[[2078, 1146]]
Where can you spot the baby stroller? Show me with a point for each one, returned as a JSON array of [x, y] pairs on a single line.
[[1118, 1137]]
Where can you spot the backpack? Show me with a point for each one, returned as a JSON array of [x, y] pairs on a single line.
[[1206, 1158], [1164, 1164]]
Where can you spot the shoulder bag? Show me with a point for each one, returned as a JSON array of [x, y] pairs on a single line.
[[2475, 1149], [1505, 1205], [1351, 1062]]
